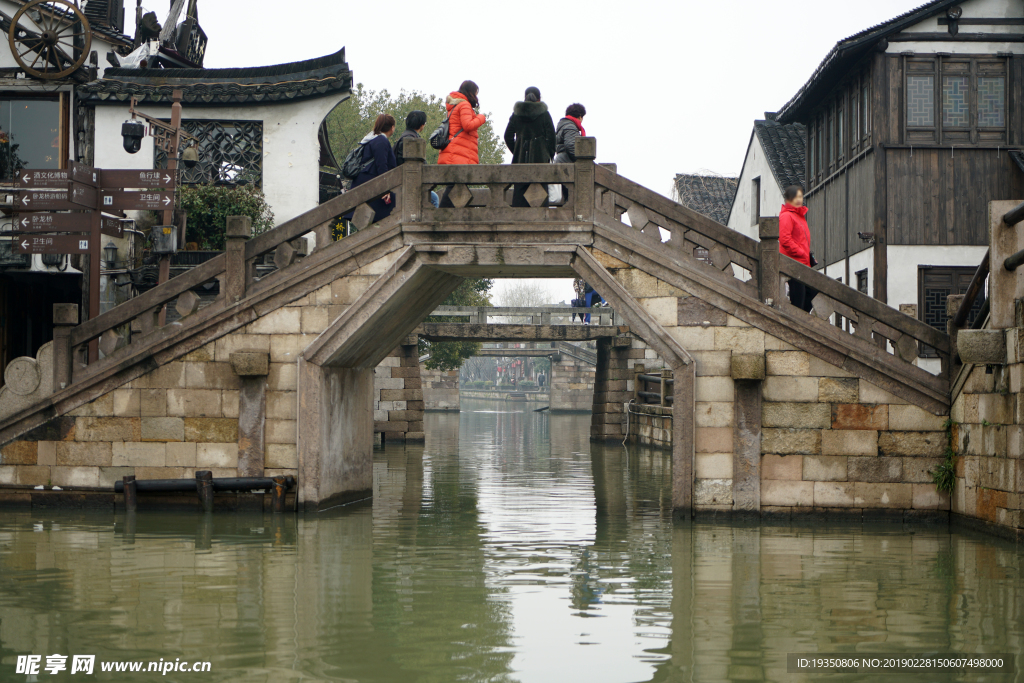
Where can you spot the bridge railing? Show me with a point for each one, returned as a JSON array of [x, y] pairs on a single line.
[[542, 315]]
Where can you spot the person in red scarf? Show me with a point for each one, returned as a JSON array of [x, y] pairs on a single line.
[[795, 242], [566, 132]]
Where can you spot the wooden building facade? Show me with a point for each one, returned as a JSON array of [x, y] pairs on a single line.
[[911, 131]]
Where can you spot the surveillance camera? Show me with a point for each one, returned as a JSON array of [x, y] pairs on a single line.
[[133, 132]]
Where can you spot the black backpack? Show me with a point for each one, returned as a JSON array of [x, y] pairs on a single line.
[[354, 164], [439, 138]]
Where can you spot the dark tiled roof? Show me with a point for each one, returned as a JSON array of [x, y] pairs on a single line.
[[848, 51], [213, 87], [785, 147], [710, 195]]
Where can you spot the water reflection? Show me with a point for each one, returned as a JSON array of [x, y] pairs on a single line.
[[507, 548]]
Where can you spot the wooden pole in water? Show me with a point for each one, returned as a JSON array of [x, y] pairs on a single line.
[[130, 493], [204, 487], [279, 491]]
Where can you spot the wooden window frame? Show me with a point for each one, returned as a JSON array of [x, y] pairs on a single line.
[[755, 200], [943, 65]]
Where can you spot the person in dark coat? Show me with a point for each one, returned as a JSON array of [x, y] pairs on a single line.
[[378, 158], [530, 135], [415, 122]]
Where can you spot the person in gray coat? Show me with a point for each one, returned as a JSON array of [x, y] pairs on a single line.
[[568, 129]]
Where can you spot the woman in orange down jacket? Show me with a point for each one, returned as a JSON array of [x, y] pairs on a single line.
[[463, 127], [795, 242]]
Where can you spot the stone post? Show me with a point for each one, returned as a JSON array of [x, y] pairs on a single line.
[[586, 152], [415, 152], [236, 279], [65, 316], [1003, 285], [252, 367], [768, 266], [666, 375], [953, 302]]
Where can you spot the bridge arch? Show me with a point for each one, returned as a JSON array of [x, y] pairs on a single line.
[[336, 371]]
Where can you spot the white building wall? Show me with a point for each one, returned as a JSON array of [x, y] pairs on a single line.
[[741, 217], [973, 9], [291, 150]]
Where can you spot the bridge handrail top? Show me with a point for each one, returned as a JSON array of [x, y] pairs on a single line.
[[516, 310]]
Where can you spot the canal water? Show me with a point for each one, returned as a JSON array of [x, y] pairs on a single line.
[[507, 548]]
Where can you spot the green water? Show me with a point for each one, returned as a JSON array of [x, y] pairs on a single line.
[[508, 548]]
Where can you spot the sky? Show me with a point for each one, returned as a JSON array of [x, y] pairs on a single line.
[[670, 86]]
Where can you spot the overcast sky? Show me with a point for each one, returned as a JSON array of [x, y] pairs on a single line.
[[670, 87]]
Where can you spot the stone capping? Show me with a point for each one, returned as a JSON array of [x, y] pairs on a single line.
[[748, 366], [250, 363], [982, 347]]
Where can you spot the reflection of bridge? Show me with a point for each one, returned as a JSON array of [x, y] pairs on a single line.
[[277, 375]]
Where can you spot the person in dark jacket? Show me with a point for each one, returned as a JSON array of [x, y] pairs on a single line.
[[795, 242], [569, 128], [530, 135], [415, 122], [378, 158]]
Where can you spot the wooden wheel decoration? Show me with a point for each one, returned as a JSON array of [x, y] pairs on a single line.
[[50, 39]]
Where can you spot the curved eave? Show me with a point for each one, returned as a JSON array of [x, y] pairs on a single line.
[[295, 81]]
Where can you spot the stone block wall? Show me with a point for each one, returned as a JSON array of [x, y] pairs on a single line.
[[440, 389], [571, 385], [650, 425], [988, 438], [398, 405]]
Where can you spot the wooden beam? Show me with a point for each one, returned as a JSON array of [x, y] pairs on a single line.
[[958, 38]]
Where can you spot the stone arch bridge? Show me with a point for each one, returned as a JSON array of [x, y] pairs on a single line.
[[277, 375]]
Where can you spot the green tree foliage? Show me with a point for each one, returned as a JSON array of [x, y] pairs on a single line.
[[209, 206], [353, 119], [447, 356]]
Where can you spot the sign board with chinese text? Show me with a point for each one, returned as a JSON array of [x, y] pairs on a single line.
[[53, 222], [123, 200], [52, 244], [43, 178], [137, 178], [80, 173], [45, 200]]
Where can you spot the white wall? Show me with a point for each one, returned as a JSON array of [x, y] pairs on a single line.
[[291, 151], [754, 165], [973, 9]]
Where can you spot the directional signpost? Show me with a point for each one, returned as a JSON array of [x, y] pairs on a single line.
[[90, 191], [53, 244]]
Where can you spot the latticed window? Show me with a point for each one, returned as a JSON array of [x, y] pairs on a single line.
[[230, 152], [955, 100], [935, 285]]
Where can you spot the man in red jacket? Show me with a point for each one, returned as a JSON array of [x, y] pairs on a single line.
[[795, 242]]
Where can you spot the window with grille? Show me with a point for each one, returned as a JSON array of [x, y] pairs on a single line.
[[862, 281], [935, 284], [955, 100], [230, 153]]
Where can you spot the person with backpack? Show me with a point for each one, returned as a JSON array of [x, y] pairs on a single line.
[[463, 140], [415, 122], [376, 158], [530, 135]]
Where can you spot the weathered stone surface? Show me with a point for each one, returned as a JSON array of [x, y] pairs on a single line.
[[100, 407], [713, 363], [170, 376], [139, 454], [162, 429], [20, 453], [250, 363], [181, 454], [713, 439], [887, 495], [694, 338], [153, 402], [240, 342], [211, 429], [712, 492], [286, 348], [788, 363], [210, 376], [281, 455], [911, 418], [926, 497], [860, 416], [217, 455], [127, 403], [692, 311], [747, 366], [46, 453], [796, 415], [714, 389], [718, 414], [838, 390], [194, 403], [285, 320], [83, 454], [786, 441], [713, 465], [788, 467], [833, 494], [849, 442], [787, 493], [825, 468], [927, 444], [282, 405], [875, 469], [919, 470], [739, 340], [70, 477], [187, 303], [982, 347], [869, 393], [790, 389], [107, 429]]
